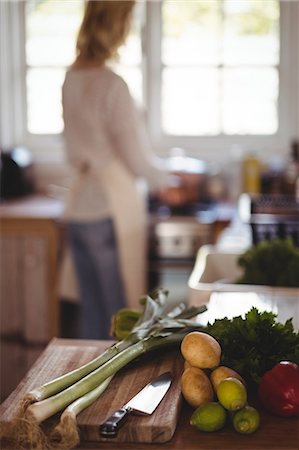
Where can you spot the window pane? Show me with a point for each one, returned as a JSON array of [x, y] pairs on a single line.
[[44, 113], [191, 32], [250, 101], [51, 29], [216, 35], [251, 32], [190, 101]]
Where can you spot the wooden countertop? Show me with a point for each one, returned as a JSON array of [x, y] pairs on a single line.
[[274, 433], [32, 207]]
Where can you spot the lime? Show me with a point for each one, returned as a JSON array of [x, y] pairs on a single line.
[[246, 420], [232, 394], [209, 417]]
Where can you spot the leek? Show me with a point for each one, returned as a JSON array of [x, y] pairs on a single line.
[[151, 320], [154, 307], [66, 434], [62, 382]]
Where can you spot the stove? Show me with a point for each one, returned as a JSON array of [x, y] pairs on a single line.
[[178, 233], [175, 236]]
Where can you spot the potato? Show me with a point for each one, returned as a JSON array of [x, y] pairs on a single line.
[[201, 350], [222, 372], [196, 387]]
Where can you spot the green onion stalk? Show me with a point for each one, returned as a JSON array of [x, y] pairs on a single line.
[[156, 327]]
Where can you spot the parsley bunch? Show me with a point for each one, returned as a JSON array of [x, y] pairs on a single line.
[[254, 344]]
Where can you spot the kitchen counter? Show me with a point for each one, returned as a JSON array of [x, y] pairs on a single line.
[[274, 433]]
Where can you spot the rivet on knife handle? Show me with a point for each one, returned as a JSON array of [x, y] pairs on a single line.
[[110, 427]]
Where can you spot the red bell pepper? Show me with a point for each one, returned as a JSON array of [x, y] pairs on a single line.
[[279, 389]]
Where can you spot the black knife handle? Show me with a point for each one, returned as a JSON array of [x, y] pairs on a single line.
[[110, 427]]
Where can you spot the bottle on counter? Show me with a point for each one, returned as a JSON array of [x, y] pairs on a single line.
[[251, 173]]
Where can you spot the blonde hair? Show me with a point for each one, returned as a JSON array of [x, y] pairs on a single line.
[[104, 28]]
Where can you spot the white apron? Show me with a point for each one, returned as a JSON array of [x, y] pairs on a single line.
[[128, 210]]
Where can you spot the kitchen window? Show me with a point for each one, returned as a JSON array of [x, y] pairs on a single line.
[[51, 30], [212, 74], [224, 56]]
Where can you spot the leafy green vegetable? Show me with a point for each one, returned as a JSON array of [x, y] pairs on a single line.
[[271, 263], [254, 344], [123, 322]]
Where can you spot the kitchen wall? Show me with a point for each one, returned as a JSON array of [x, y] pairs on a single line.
[[50, 168]]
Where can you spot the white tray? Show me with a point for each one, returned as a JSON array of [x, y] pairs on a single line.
[[211, 283]]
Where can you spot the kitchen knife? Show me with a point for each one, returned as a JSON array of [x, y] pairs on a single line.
[[145, 402]]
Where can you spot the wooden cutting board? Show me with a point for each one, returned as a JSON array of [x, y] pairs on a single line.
[[62, 355]]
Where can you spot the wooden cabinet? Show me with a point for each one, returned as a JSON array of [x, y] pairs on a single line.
[[30, 232], [29, 242]]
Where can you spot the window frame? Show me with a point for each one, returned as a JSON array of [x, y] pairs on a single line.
[[210, 147], [49, 148]]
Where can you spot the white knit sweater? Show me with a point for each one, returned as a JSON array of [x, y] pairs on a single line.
[[101, 123]]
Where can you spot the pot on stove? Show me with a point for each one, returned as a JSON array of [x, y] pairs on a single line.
[[192, 185], [179, 237]]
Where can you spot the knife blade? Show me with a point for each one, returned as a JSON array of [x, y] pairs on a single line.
[[144, 402]]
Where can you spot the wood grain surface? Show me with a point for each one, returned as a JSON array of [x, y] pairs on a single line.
[[275, 433], [158, 427]]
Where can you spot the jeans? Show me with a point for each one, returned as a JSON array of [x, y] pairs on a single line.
[[94, 250]]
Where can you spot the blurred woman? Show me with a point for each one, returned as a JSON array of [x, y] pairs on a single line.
[[105, 145]]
